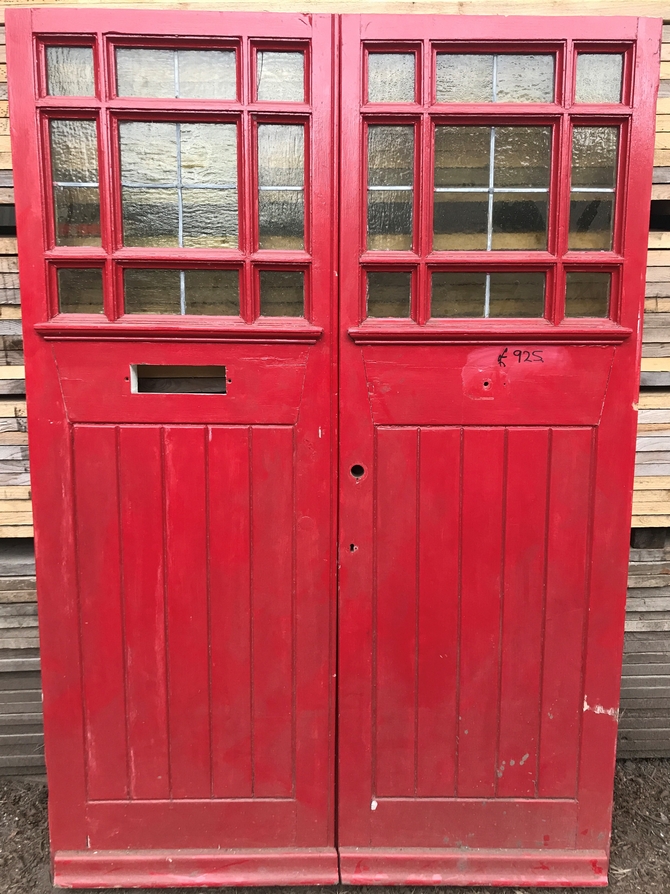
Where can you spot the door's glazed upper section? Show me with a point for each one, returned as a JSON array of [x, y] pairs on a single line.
[[180, 177], [493, 173]]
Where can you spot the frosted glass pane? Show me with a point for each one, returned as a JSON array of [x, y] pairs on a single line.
[[74, 151], [80, 290], [280, 76], [208, 154], [391, 77], [152, 291], [460, 221], [522, 157], [516, 295], [212, 292], [281, 177], [207, 74], [185, 74], [148, 152], [456, 294], [150, 217], [587, 293], [599, 77], [594, 156], [464, 77], [591, 220], [145, 73], [390, 156], [282, 293], [70, 71], [77, 214], [525, 78], [388, 294], [506, 77], [519, 222], [462, 156], [209, 218], [74, 160]]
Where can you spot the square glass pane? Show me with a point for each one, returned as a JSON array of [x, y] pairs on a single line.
[[282, 293], [464, 77], [591, 219], [391, 77], [519, 221], [70, 71], [208, 154], [389, 220], [145, 73], [212, 292], [524, 78], [599, 77], [516, 294], [460, 221], [457, 294], [390, 155], [594, 157], [281, 178], [209, 218], [152, 291], [587, 293], [207, 74], [522, 157], [280, 76], [462, 156], [389, 294], [148, 153], [80, 290], [150, 217], [77, 215]]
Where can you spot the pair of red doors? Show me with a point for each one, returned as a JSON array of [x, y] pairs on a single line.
[[332, 339]]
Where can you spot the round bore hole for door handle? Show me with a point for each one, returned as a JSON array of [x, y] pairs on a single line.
[[357, 471]]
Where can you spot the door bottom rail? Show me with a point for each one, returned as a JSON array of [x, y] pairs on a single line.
[[195, 868], [456, 866]]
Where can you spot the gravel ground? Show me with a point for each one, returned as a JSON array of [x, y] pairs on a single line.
[[640, 844]]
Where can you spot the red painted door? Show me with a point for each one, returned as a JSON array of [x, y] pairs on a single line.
[[178, 193], [496, 178], [174, 202]]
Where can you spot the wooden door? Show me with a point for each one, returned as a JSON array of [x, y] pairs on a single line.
[[495, 191], [174, 204]]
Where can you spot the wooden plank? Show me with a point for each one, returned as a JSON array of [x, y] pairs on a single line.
[[658, 258], [483, 464], [187, 621], [657, 239], [230, 585], [653, 364], [13, 493], [440, 473], [658, 190], [140, 459], [652, 483], [100, 599], [662, 140], [524, 575], [16, 531], [650, 521], [661, 157]]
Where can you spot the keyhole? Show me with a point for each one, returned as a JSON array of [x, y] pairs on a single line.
[[357, 470]]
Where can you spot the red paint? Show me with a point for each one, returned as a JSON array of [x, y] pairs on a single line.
[[186, 544]]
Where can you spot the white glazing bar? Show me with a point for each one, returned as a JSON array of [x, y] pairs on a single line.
[[90, 184], [521, 189], [182, 292], [606, 189], [495, 78], [176, 73], [487, 296], [489, 227], [180, 205]]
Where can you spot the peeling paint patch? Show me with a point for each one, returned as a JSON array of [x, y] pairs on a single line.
[[373, 804], [524, 759], [598, 709]]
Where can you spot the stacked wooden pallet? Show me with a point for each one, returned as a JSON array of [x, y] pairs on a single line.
[[21, 738]]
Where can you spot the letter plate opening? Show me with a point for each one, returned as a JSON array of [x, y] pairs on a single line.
[[177, 379]]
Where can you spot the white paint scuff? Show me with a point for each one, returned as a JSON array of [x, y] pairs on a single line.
[[598, 709]]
